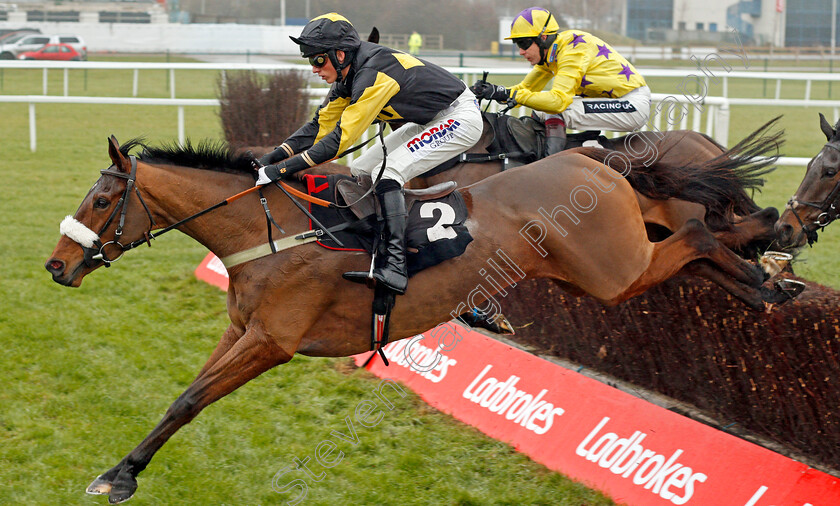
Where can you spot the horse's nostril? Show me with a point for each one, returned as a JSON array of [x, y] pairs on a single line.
[[55, 266]]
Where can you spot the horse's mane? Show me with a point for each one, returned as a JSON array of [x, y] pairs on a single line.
[[720, 184], [208, 154]]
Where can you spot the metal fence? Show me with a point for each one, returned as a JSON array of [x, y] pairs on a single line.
[[703, 113]]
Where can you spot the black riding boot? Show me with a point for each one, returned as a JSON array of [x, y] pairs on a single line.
[[393, 273]]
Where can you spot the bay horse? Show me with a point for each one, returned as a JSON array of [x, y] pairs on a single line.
[[815, 203], [294, 301]]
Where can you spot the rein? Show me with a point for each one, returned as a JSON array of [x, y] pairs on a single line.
[[828, 209], [96, 251]]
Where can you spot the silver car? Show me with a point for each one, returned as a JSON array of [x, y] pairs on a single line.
[[32, 42]]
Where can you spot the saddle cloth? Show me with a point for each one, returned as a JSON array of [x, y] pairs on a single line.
[[435, 229]]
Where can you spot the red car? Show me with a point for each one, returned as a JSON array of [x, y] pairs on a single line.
[[63, 52]]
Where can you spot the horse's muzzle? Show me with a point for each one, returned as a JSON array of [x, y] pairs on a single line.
[[57, 268]]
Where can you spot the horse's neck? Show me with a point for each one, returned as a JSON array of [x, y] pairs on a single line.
[[176, 193]]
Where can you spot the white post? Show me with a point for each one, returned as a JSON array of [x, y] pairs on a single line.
[[808, 89], [181, 125], [778, 88], [710, 114], [45, 81], [32, 138], [66, 82], [725, 86], [695, 120], [172, 83], [658, 122], [722, 125], [135, 82]]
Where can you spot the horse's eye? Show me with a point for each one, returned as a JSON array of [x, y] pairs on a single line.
[[830, 173], [101, 203]]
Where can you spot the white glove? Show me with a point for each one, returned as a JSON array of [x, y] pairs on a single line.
[[262, 179]]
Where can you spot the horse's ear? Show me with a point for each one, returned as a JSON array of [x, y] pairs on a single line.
[[117, 158], [825, 126], [374, 35]]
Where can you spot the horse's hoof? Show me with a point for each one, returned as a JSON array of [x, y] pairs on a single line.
[[123, 488], [99, 486], [790, 287], [782, 291]]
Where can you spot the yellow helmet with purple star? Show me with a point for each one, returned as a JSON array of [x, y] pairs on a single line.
[[533, 22]]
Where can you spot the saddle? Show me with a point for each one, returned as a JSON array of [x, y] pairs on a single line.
[[357, 191], [519, 141]]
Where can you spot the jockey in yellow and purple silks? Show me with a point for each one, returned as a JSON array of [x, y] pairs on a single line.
[[594, 88]]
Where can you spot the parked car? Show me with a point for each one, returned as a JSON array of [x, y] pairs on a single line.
[[8, 35], [33, 42], [62, 52]]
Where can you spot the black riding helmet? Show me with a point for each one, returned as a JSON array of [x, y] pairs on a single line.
[[328, 33]]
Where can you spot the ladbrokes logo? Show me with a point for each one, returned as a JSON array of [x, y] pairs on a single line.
[[627, 457], [516, 405], [419, 359], [432, 138]]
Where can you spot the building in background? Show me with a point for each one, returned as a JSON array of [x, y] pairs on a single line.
[[780, 23]]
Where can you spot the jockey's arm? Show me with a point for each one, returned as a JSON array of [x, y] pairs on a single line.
[[371, 94], [567, 78]]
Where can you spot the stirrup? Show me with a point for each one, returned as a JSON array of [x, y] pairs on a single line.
[[362, 277]]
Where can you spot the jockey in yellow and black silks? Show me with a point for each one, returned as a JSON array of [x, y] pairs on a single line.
[[594, 88], [439, 114]]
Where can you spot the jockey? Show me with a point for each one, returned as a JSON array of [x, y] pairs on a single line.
[[372, 82], [595, 88]]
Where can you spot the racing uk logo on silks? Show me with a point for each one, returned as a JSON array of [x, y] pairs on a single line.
[[431, 139]]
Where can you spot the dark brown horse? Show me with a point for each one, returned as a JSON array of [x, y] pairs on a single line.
[[732, 215], [581, 226], [815, 203], [735, 219]]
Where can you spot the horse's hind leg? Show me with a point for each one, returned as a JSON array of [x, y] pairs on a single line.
[[693, 242], [250, 356]]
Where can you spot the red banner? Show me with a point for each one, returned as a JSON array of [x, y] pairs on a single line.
[[211, 270], [631, 450]]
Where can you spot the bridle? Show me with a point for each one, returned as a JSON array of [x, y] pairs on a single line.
[[95, 254], [828, 208]]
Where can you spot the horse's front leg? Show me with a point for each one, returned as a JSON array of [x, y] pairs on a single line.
[[248, 357]]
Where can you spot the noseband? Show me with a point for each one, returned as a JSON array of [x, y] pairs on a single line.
[[94, 255], [828, 209]]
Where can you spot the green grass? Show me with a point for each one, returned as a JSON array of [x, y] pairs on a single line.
[[88, 372]]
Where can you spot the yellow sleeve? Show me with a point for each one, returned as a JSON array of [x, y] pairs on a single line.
[[329, 115], [568, 72], [361, 113]]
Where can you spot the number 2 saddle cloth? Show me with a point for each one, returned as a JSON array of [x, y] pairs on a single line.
[[435, 229]]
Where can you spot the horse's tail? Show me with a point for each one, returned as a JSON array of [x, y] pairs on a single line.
[[719, 184]]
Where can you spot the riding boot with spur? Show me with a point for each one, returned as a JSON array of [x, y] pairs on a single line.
[[393, 272], [555, 135]]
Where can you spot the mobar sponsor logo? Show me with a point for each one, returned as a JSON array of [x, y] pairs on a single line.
[[503, 398], [433, 138], [624, 456]]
